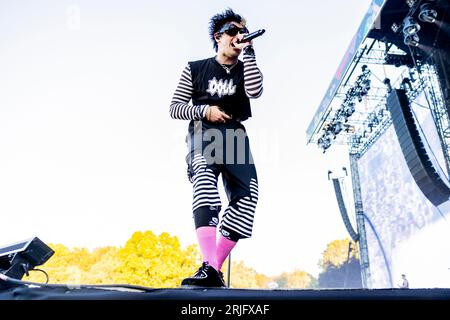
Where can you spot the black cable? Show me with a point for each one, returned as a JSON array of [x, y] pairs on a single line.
[[85, 286], [45, 273]]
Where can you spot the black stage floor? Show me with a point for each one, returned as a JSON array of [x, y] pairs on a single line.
[[17, 290], [198, 294], [215, 303]]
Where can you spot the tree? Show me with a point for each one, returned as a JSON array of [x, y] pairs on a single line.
[[151, 261], [65, 266], [296, 279], [337, 252], [242, 276], [156, 261], [340, 265], [146, 260]]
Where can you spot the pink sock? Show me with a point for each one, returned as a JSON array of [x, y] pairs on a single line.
[[224, 247], [207, 240]]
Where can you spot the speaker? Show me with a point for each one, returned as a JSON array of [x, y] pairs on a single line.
[[341, 204], [413, 149], [18, 258]]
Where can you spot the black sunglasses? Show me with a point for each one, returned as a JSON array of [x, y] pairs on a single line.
[[232, 30]]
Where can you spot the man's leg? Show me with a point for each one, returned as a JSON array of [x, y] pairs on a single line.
[[241, 185], [206, 207], [224, 247]]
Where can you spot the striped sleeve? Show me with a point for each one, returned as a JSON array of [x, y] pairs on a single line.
[[179, 107], [253, 78]]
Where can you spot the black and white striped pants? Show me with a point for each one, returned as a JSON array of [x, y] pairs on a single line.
[[241, 186]]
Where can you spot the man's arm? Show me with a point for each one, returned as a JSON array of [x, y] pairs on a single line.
[[253, 78], [179, 107]]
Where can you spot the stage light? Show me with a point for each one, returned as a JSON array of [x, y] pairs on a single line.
[[330, 135], [324, 144], [337, 127], [325, 140], [410, 3], [365, 87], [410, 26], [349, 109], [406, 83], [427, 13], [395, 27], [342, 118], [412, 75], [373, 119], [18, 258], [411, 40], [387, 82]]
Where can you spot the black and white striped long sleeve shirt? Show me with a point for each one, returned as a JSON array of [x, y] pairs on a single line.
[[179, 106]]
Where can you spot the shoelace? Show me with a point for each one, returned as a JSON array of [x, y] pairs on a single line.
[[204, 267]]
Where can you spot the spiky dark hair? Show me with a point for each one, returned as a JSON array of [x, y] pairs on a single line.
[[218, 20]]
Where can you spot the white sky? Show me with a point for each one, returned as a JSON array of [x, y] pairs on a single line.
[[89, 153]]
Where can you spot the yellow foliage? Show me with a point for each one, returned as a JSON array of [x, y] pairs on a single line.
[[151, 261], [104, 269], [146, 260], [241, 276], [65, 266], [297, 279], [262, 281], [245, 277], [336, 253]]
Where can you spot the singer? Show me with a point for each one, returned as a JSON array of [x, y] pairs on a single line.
[[220, 88]]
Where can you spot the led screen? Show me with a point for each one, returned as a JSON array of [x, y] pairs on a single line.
[[406, 234]]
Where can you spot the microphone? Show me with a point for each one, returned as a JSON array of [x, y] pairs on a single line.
[[251, 36]]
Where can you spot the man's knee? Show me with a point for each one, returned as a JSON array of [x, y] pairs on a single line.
[[231, 234], [206, 216]]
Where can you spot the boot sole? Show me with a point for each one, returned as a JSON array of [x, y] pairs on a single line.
[[187, 286]]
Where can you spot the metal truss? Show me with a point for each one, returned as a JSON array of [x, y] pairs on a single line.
[[428, 83], [348, 123]]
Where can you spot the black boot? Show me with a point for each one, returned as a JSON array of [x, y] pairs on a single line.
[[206, 276]]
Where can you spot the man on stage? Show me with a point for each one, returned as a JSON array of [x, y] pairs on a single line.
[[220, 88]]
